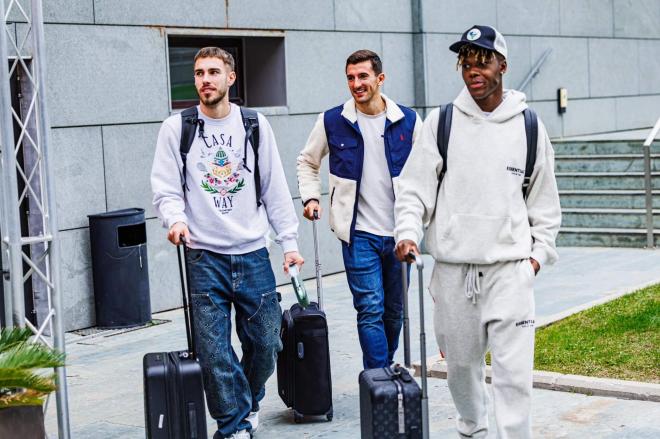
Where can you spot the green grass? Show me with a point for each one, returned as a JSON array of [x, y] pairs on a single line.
[[619, 339]]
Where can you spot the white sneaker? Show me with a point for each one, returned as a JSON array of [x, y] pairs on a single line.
[[253, 418], [243, 434]]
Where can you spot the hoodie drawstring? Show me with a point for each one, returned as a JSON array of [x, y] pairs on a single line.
[[472, 287]]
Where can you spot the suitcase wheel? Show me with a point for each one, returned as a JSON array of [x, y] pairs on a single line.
[[297, 417], [328, 417]]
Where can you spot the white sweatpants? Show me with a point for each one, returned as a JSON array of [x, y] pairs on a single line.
[[478, 307]]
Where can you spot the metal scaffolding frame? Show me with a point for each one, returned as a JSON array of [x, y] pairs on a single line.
[[30, 253]]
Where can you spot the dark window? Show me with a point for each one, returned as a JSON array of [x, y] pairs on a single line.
[[259, 66], [182, 81]]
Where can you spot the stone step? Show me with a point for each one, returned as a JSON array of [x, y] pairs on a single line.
[[616, 199], [608, 218], [602, 147], [605, 163], [605, 180], [604, 237]]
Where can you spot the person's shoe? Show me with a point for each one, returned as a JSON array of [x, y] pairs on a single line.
[[253, 418], [243, 434]]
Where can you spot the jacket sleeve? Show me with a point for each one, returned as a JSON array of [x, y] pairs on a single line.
[[275, 193], [309, 162], [418, 183], [543, 209], [168, 196]]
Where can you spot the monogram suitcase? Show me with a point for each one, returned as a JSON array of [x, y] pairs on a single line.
[[392, 405]]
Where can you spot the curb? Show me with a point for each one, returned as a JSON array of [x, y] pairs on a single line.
[[437, 368]]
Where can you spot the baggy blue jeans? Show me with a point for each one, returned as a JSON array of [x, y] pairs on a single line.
[[234, 388], [374, 277]]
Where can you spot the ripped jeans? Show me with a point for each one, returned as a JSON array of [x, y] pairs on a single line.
[[234, 388]]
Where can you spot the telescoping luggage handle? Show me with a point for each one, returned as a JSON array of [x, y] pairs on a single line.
[[319, 285], [182, 248], [422, 335]]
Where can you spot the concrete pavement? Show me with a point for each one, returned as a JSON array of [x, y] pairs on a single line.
[[105, 372]]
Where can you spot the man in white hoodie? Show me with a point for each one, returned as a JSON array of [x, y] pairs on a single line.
[[222, 200], [488, 234]]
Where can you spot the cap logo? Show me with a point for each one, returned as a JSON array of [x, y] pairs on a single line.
[[473, 34]]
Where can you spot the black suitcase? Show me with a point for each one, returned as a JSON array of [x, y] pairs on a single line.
[[303, 367], [391, 403], [174, 405]]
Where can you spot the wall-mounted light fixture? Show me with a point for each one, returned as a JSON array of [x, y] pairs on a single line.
[[562, 100]]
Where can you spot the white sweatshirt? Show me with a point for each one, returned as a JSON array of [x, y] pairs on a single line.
[[220, 208], [479, 216]]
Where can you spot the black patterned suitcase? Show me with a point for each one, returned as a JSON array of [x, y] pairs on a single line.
[[392, 405]]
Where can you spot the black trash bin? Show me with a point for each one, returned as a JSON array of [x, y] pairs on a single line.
[[119, 265]]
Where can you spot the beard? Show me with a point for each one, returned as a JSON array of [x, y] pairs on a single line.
[[213, 100]]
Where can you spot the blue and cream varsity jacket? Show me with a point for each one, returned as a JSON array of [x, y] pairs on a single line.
[[336, 133]]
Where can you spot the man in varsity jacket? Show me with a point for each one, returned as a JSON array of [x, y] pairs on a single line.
[[224, 212], [368, 140], [489, 239]]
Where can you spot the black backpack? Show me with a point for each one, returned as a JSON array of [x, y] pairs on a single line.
[[189, 123], [531, 131]]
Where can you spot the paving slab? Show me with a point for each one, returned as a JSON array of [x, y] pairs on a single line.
[[105, 373]]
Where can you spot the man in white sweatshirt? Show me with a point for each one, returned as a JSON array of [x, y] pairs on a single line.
[[222, 201], [488, 239]]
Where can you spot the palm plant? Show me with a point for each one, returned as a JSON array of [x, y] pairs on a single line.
[[21, 381]]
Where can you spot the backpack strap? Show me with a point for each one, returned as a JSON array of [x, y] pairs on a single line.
[[532, 132], [251, 125], [189, 122], [442, 136]]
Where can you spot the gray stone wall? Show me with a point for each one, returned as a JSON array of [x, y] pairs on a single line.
[[108, 90], [604, 52]]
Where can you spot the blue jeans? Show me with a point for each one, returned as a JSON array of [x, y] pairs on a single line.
[[234, 388], [374, 277]]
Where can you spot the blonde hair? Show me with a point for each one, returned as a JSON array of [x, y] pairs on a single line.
[[481, 54]]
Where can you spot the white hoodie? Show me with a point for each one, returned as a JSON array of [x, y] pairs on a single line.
[[479, 215]]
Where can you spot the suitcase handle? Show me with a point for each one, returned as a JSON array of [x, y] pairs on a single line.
[[317, 263], [417, 260], [406, 319], [181, 251]]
